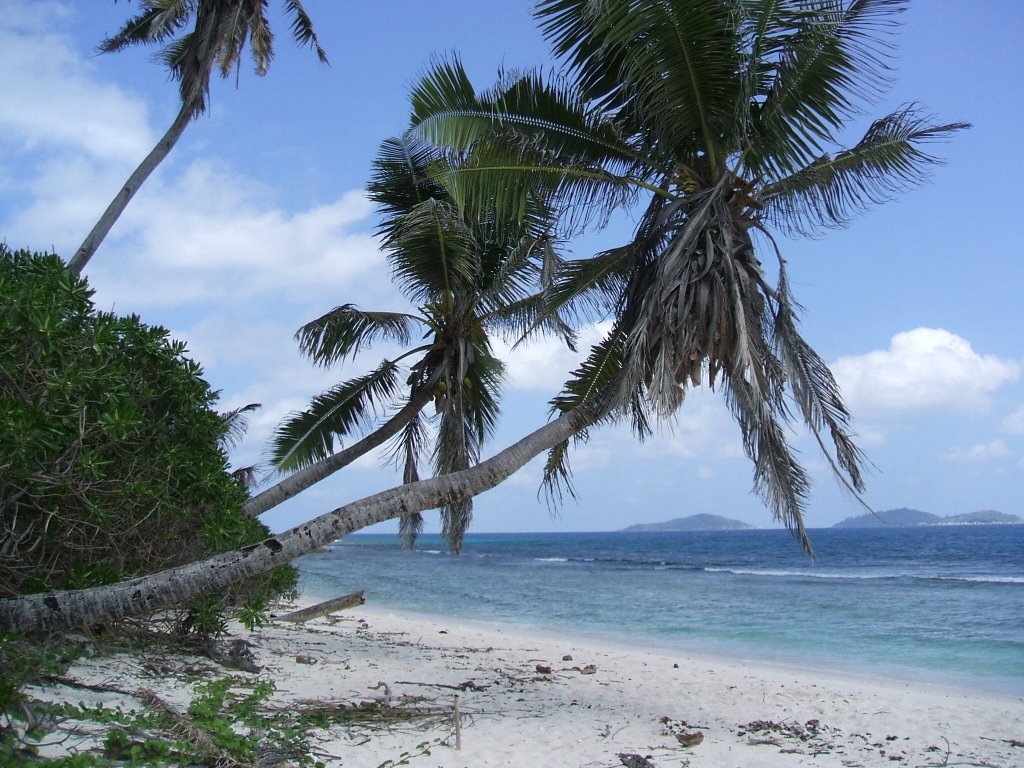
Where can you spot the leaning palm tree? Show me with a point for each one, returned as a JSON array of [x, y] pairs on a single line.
[[722, 115], [469, 279], [718, 121], [221, 30]]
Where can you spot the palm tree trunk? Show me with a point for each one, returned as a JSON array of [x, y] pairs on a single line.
[[121, 200], [83, 607], [307, 476]]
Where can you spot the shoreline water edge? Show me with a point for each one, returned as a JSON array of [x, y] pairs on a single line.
[[928, 606]]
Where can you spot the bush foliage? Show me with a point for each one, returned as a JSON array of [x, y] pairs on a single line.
[[111, 457]]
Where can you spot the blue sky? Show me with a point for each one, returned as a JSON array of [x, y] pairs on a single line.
[[257, 223]]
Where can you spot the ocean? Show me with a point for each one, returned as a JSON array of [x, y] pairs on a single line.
[[940, 605]]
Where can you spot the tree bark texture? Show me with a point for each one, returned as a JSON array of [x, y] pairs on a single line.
[[120, 202], [314, 473], [83, 607]]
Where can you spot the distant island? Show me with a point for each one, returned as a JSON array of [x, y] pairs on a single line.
[[904, 517], [692, 523]]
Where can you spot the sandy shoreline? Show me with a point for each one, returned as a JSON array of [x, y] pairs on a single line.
[[597, 701]]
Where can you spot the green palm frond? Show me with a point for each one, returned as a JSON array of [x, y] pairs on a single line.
[[601, 369], [445, 91], [524, 320], [503, 181], [597, 379], [433, 252], [308, 436], [527, 140], [468, 412], [668, 68], [521, 109], [346, 329], [889, 159], [400, 179], [594, 286], [457, 447], [826, 60]]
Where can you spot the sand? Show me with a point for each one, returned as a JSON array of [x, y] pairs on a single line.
[[536, 699]]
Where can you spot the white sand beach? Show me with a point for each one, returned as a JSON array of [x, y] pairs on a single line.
[[534, 699]]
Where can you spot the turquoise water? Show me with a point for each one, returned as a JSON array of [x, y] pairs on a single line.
[[940, 604]]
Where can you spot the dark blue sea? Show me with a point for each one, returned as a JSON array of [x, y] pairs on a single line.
[[941, 604]]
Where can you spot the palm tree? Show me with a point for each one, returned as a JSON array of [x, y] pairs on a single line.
[[722, 114], [719, 122], [469, 279], [220, 33]]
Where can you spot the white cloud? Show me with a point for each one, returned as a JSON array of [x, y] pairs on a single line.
[[923, 368], [208, 237], [49, 97], [1014, 423], [990, 451], [544, 364]]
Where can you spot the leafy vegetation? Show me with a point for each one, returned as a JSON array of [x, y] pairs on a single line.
[[230, 720], [113, 465], [471, 277]]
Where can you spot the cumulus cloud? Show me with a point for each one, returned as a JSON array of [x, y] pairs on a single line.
[[923, 368], [208, 236]]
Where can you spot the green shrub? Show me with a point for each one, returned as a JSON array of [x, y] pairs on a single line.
[[111, 457]]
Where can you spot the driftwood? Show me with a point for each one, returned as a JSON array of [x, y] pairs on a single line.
[[328, 606]]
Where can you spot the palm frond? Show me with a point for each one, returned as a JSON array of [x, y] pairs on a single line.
[[816, 391], [596, 380], [433, 252], [156, 23], [667, 69], [826, 60], [406, 452], [346, 329], [596, 374], [778, 478], [524, 141], [400, 179], [302, 28], [220, 32], [528, 318], [503, 181], [556, 482], [888, 160], [236, 422], [308, 436]]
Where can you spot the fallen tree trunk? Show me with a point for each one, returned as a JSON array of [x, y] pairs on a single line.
[[327, 606], [146, 594]]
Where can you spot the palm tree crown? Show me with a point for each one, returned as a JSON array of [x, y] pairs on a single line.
[[220, 32], [721, 120], [468, 279]]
